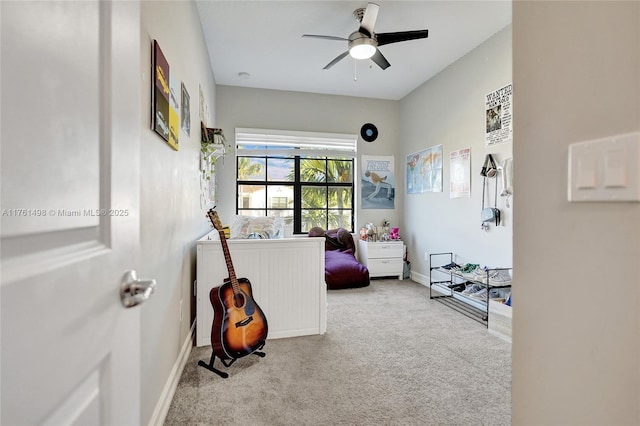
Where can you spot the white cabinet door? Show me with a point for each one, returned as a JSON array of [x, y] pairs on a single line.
[[70, 214]]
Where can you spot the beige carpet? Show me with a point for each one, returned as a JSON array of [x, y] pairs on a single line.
[[390, 356]]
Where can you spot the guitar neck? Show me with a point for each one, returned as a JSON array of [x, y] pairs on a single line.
[[227, 258], [215, 221]]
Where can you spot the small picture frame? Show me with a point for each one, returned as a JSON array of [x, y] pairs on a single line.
[[185, 113], [205, 133]]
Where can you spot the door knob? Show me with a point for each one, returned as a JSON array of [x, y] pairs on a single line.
[[134, 291]]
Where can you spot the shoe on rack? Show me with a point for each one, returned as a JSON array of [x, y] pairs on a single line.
[[469, 267], [480, 294], [473, 288], [500, 276], [457, 287], [495, 293], [452, 265], [475, 274], [478, 274]]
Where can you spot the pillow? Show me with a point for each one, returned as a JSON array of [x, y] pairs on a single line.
[[265, 227], [336, 239], [339, 239], [316, 231]]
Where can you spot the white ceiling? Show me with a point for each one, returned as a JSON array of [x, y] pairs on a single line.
[[264, 39]]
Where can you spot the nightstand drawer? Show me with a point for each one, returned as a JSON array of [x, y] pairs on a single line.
[[385, 250], [385, 267]]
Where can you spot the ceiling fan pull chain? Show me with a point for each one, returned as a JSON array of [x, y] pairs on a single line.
[[355, 70]]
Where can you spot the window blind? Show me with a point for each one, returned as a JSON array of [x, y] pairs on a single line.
[[292, 142]]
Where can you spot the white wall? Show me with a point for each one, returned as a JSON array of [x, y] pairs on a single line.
[[172, 218], [282, 110], [449, 109], [576, 316]]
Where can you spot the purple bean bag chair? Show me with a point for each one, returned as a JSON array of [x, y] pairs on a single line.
[[341, 268]]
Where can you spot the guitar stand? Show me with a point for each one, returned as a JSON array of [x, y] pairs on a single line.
[[226, 363]]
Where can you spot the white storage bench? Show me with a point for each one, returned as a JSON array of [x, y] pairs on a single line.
[[286, 275]]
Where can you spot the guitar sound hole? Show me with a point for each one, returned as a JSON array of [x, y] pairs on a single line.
[[238, 300]]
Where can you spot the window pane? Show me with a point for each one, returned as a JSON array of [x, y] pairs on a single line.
[[252, 213], [311, 218], [313, 170], [314, 197], [339, 171], [251, 168], [340, 219], [340, 197], [277, 202], [280, 196], [251, 196], [280, 169]]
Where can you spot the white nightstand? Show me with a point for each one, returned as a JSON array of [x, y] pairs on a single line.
[[382, 258]]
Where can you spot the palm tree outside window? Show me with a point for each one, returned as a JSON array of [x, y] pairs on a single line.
[[306, 178]]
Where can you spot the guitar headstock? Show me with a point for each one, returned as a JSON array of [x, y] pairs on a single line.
[[215, 220]]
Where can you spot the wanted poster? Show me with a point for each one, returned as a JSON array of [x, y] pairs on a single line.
[[498, 107]]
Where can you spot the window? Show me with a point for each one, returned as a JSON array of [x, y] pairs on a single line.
[[304, 177], [279, 203]]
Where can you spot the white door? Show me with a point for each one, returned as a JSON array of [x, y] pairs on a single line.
[[70, 128]]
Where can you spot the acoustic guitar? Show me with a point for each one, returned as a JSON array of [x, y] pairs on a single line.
[[239, 325]]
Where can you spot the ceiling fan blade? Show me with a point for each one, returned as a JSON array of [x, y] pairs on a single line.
[[387, 38], [336, 60], [380, 60], [369, 18], [326, 37]]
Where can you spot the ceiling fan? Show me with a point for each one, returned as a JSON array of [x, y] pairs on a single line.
[[364, 42]]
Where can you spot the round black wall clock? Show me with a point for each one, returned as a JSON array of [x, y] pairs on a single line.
[[369, 132]]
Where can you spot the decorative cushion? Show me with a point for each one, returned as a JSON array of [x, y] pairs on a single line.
[[336, 239], [257, 227]]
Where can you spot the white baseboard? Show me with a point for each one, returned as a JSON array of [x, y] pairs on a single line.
[[162, 408], [420, 278]]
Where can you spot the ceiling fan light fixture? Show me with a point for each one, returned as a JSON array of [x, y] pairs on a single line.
[[362, 48], [363, 43]]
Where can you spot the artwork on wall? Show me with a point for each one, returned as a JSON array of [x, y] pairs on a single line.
[[424, 171], [204, 108], [164, 103], [378, 182], [185, 113], [174, 109], [460, 179], [498, 107]]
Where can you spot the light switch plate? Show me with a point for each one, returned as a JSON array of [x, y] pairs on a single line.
[[616, 168], [606, 169], [587, 173]]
